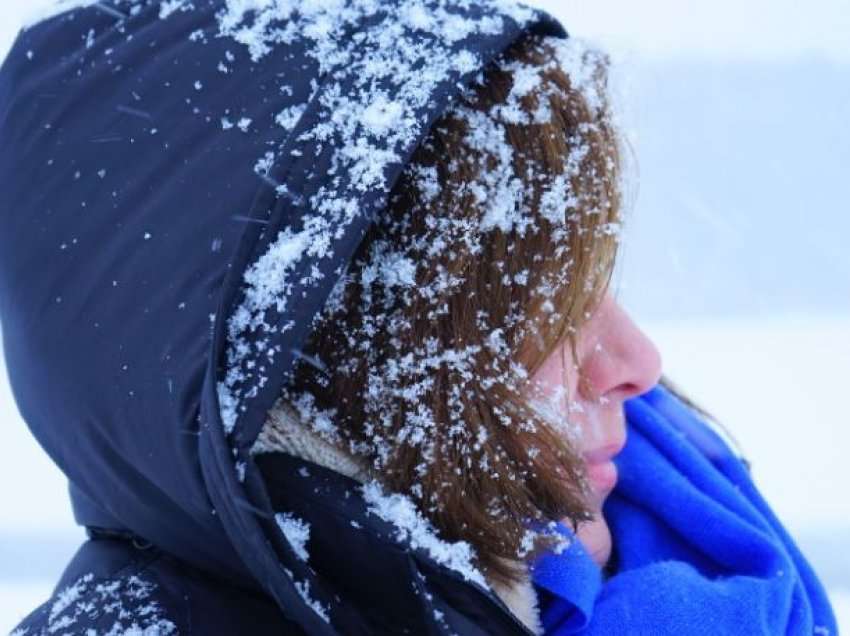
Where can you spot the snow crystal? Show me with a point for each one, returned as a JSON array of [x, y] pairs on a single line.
[[500, 189], [267, 278], [526, 544], [558, 198], [563, 542], [228, 406], [296, 531], [417, 531], [288, 117], [382, 116], [303, 589], [428, 182], [393, 268], [321, 421], [264, 164], [68, 596], [580, 62], [170, 6]]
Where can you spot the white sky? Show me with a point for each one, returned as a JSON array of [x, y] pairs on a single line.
[[719, 29], [724, 29]]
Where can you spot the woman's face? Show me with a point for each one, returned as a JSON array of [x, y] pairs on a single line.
[[616, 361]]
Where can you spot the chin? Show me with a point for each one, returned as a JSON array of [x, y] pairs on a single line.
[[596, 538]]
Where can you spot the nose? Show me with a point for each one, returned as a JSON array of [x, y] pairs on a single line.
[[620, 360]]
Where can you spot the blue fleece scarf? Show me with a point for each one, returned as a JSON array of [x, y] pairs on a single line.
[[697, 549]]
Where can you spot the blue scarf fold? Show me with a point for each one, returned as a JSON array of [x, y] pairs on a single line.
[[697, 549]]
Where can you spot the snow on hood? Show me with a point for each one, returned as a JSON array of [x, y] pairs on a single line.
[[370, 118]]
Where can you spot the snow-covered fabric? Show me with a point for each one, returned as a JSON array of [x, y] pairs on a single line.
[[181, 185], [119, 605], [697, 549], [287, 432]]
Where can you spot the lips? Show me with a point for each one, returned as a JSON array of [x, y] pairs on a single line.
[[601, 471]]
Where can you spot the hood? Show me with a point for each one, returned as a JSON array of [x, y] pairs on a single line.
[[181, 186]]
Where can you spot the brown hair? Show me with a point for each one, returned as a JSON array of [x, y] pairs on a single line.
[[423, 355]]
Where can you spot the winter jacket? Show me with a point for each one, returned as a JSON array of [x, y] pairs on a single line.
[[158, 160]]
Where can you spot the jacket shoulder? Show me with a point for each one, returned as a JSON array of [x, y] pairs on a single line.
[[126, 600], [115, 587]]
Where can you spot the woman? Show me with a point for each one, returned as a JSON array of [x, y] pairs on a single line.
[[327, 338]]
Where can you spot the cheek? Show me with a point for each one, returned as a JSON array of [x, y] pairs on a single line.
[[550, 375], [557, 379], [596, 369]]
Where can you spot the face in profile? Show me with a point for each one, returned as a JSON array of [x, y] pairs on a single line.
[[499, 236], [614, 361]]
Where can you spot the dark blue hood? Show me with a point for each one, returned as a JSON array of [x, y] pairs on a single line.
[[152, 155]]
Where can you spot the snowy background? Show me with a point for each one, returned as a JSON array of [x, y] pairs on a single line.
[[735, 259]]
